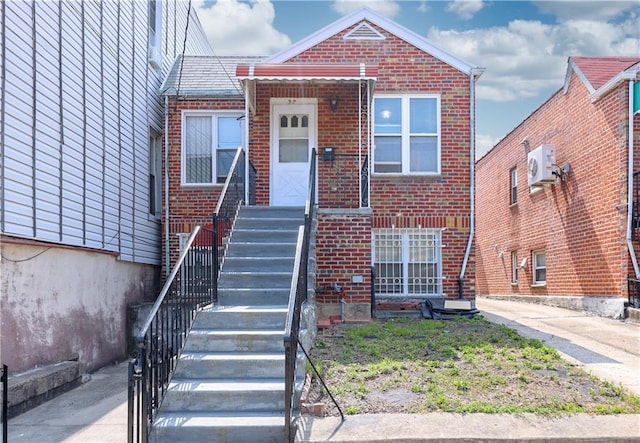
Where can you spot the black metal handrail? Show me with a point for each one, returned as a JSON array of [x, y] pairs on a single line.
[[229, 201], [297, 295], [161, 338], [4, 378]]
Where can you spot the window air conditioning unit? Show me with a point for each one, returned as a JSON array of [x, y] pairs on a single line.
[[541, 164], [154, 56]]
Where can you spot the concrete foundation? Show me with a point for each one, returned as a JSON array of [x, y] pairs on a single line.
[[347, 312], [612, 307], [31, 388]]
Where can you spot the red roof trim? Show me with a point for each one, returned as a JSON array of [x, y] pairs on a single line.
[[306, 72]]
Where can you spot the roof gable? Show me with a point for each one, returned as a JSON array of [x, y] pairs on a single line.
[[600, 74], [361, 16]]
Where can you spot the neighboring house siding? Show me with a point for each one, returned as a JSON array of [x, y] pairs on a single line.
[[79, 98], [579, 223]]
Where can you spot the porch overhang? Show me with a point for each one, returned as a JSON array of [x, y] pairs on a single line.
[[250, 74]]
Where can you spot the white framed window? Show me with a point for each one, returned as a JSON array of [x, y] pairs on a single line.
[[406, 134], [209, 143], [407, 262], [513, 197], [155, 173], [539, 267], [514, 267], [154, 20]]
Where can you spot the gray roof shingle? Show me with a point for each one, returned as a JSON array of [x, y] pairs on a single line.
[[205, 76]]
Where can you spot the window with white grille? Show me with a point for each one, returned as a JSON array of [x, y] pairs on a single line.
[[407, 262]]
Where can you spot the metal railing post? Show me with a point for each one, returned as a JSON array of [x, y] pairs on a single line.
[[5, 403]]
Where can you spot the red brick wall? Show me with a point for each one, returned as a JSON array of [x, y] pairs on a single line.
[[580, 223], [435, 202], [188, 205], [343, 249]]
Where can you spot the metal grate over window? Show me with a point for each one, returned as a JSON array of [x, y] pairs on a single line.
[[408, 262]]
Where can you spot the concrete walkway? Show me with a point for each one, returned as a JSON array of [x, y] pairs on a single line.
[[96, 412]]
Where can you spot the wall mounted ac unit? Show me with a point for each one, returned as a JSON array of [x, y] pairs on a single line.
[[154, 56], [541, 163]]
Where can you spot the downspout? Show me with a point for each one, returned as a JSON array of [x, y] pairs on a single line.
[[630, 202], [472, 147], [166, 185]]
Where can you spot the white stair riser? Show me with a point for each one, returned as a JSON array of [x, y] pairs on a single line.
[[212, 341], [233, 367]]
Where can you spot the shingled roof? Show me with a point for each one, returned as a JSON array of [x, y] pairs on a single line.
[[205, 76], [600, 73]]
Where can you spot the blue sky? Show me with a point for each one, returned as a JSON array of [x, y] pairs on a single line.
[[524, 45]]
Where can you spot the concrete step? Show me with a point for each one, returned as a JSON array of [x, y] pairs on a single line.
[[253, 296], [234, 340], [264, 236], [258, 395], [269, 224], [261, 249], [241, 317], [248, 280], [258, 264], [212, 427], [272, 212], [213, 365]]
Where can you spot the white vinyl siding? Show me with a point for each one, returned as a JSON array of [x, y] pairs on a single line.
[[79, 98]]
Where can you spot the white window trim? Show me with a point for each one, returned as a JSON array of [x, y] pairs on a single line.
[[513, 184], [183, 132], [535, 267], [157, 173], [406, 135], [154, 54], [405, 232]]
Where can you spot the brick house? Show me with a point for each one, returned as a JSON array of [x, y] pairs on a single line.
[[392, 119], [552, 196]]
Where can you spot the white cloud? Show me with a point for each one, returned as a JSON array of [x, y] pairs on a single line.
[[239, 28], [465, 9], [528, 58], [484, 143], [387, 8], [423, 7], [577, 9]]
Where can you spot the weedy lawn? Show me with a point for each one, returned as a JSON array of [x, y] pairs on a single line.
[[461, 365]]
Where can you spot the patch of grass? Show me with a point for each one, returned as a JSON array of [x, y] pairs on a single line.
[[460, 365]]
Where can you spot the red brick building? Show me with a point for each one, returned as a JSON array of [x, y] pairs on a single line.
[[571, 234], [392, 119]]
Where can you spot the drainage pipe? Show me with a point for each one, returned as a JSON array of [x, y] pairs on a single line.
[[166, 185], [474, 75], [630, 202]]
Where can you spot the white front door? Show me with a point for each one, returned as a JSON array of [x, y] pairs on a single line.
[[293, 135]]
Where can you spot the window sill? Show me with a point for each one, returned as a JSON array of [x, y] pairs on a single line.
[[539, 285], [407, 175], [201, 185], [514, 284]]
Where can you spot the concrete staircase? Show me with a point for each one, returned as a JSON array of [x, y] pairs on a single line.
[[228, 385]]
